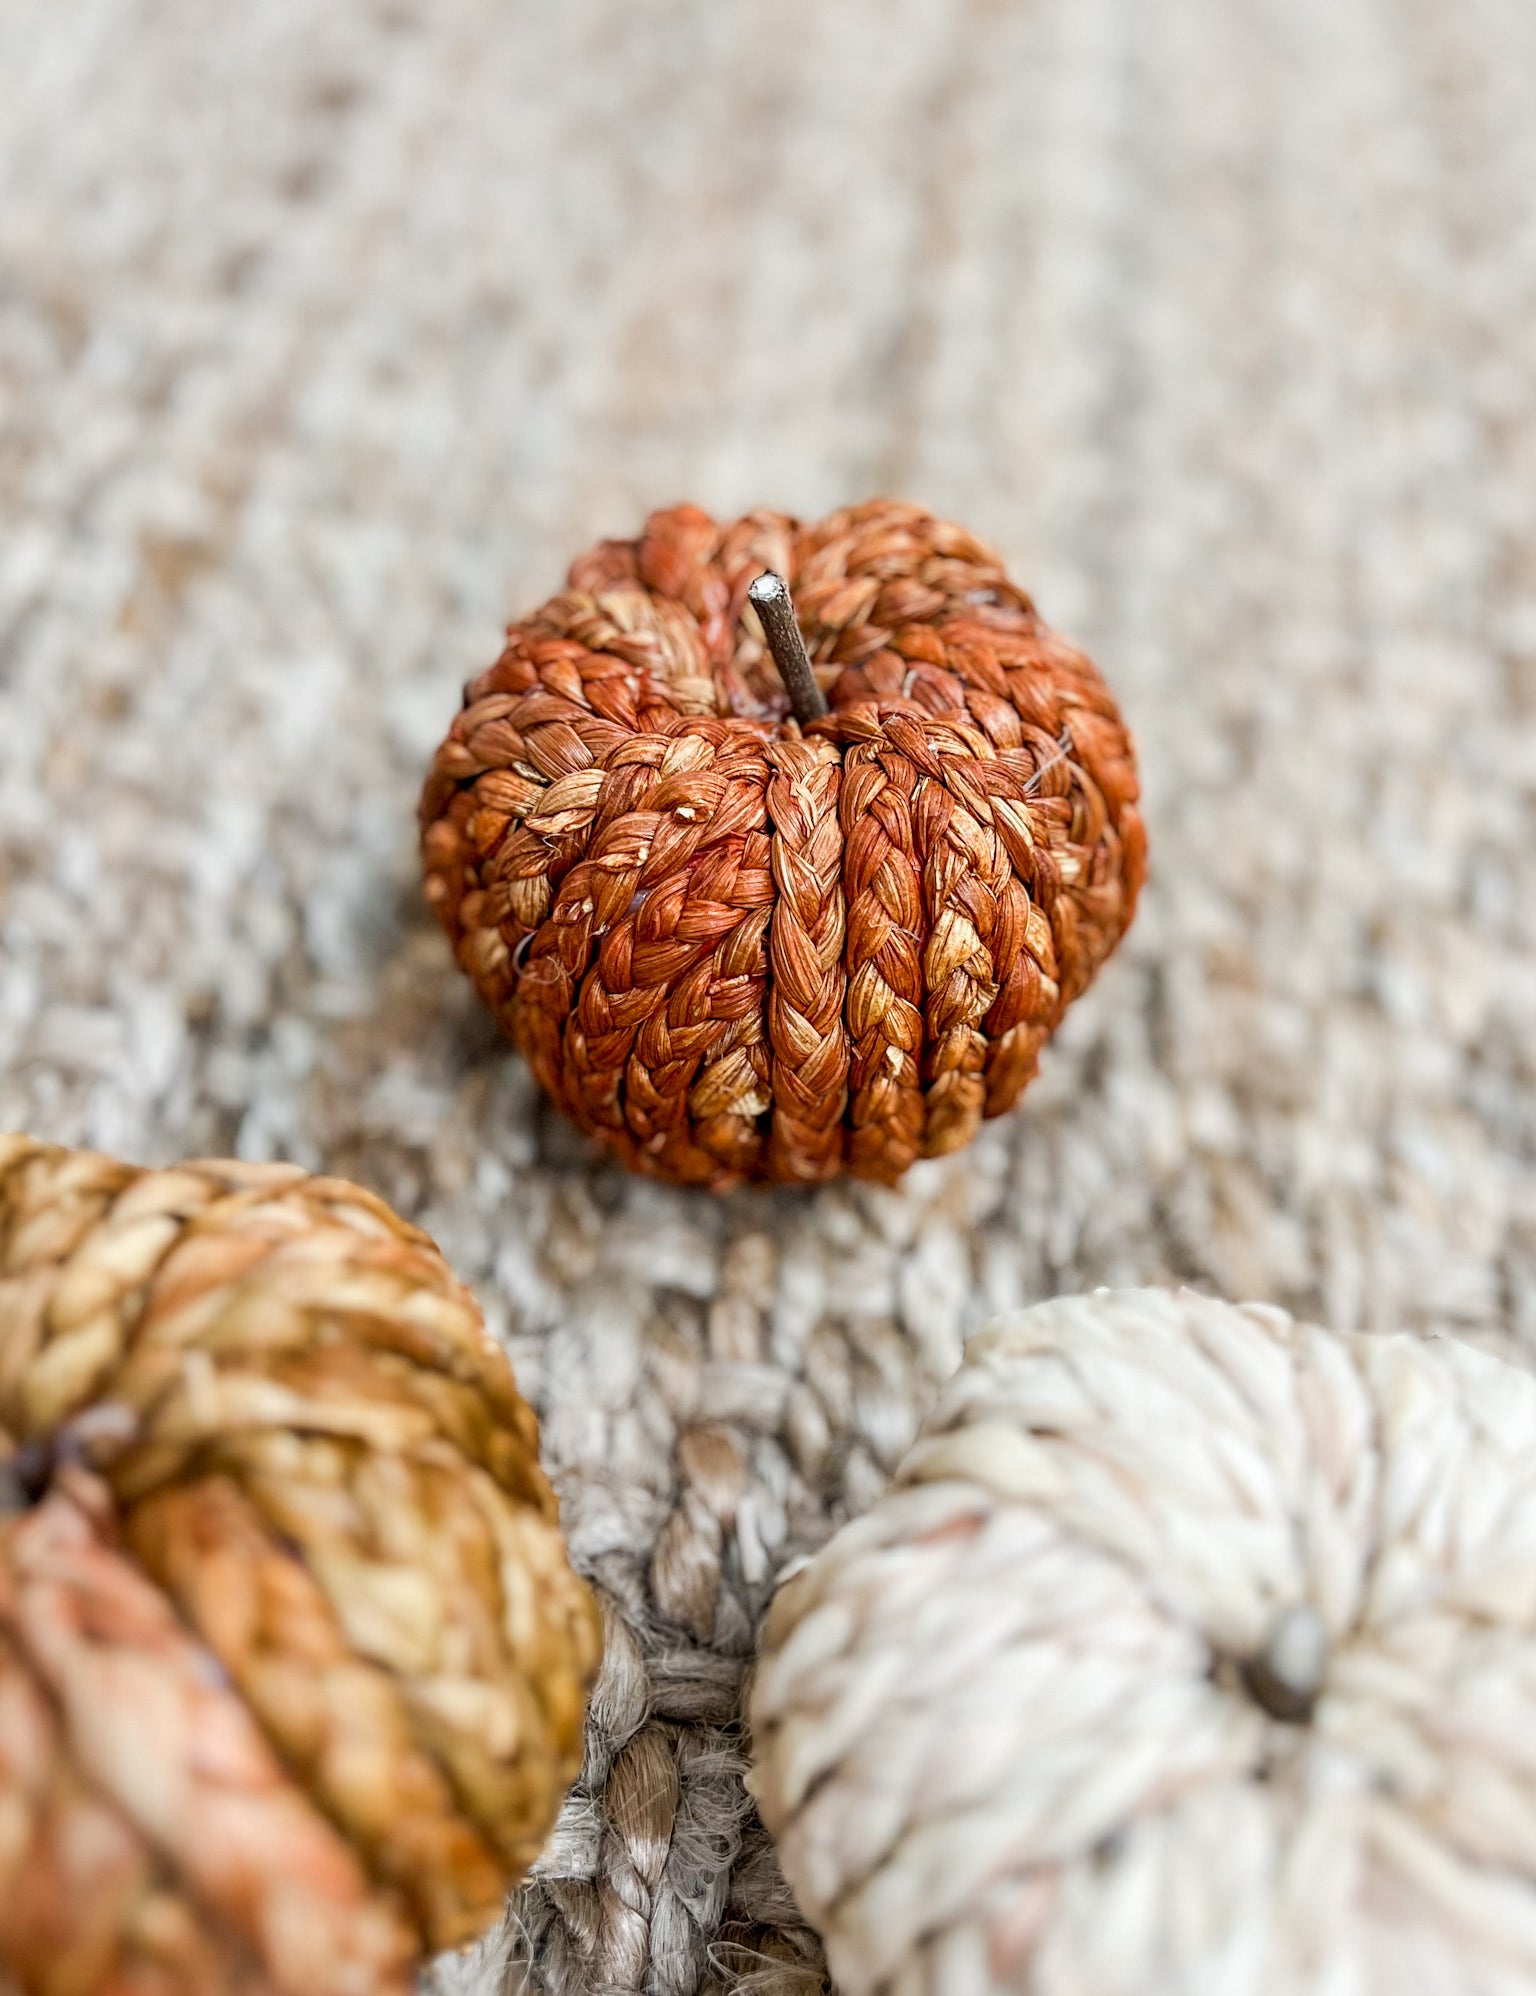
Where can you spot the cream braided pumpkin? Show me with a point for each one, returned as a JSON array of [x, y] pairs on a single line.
[[1193, 1653]]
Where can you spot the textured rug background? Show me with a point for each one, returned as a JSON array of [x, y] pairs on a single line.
[[326, 335]]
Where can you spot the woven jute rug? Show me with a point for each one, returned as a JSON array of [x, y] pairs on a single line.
[[327, 335]]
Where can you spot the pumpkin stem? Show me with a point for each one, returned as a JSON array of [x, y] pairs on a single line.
[[20, 1484], [770, 599], [1286, 1677]]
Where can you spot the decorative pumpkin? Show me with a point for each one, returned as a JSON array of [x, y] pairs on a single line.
[[1193, 1650], [292, 1665], [737, 941]]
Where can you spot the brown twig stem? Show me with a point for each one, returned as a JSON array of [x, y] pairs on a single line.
[[770, 598]]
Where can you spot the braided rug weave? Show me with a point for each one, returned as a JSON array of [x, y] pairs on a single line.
[[329, 336]]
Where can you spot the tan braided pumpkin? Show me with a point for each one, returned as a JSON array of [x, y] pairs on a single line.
[[292, 1665], [735, 948]]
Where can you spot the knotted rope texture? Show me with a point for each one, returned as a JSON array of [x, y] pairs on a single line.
[[735, 948], [1194, 1649], [292, 1665]]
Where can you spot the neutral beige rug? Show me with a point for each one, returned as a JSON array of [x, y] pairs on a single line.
[[326, 334]]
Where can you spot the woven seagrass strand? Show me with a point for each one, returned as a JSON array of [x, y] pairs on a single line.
[[733, 947]]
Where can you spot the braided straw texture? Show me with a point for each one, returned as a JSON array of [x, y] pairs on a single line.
[[1005, 1725], [732, 950], [329, 336], [292, 1665]]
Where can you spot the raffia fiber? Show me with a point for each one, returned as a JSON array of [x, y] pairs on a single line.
[[734, 949], [327, 336], [1192, 1649], [292, 1666]]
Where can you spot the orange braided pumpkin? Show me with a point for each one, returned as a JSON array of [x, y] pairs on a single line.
[[735, 947], [292, 1665]]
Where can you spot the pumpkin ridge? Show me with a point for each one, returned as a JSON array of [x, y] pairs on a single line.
[[963, 868], [438, 1925], [807, 977], [885, 1020]]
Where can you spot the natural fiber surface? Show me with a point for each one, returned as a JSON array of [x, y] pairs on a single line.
[[292, 1666], [1193, 1649], [734, 949], [329, 335]]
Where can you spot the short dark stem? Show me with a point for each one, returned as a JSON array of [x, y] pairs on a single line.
[[14, 1494], [770, 599], [1287, 1675]]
